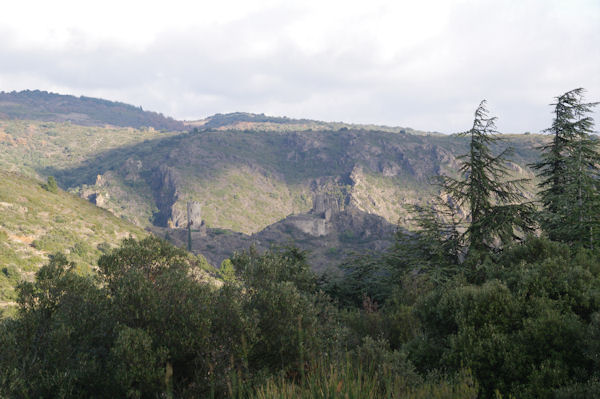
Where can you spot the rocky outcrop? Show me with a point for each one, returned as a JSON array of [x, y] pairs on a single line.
[[164, 187], [194, 217], [325, 205]]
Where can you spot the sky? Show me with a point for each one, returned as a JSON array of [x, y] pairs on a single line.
[[423, 64]]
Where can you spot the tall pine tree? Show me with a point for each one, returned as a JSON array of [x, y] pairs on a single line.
[[568, 168], [495, 203]]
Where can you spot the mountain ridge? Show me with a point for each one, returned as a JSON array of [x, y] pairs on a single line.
[[87, 111]]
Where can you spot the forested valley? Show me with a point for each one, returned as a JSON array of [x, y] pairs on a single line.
[[492, 295]]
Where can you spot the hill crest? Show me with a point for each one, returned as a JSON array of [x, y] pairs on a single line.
[[87, 111]]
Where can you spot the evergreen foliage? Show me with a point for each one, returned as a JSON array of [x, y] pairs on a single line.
[[569, 171], [494, 201], [438, 246]]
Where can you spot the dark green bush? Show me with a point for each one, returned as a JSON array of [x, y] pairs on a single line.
[[526, 331]]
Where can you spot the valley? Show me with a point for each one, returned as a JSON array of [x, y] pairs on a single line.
[[249, 175], [294, 237]]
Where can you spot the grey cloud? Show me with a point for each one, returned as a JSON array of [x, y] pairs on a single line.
[[517, 64]]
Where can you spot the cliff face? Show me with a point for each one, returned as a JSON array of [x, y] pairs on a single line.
[[164, 185]]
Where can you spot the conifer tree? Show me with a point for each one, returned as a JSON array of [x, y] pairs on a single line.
[[494, 201], [568, 167], [438, 246]]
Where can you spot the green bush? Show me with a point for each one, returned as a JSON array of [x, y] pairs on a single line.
[[523, 332], [50, 185], [82, 249], [138, 366], [145, 326]]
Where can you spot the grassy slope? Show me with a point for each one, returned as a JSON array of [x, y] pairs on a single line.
[[35, 147], [30, 147], [35, 223]]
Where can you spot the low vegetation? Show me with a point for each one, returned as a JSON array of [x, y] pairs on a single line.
[[38, 219]]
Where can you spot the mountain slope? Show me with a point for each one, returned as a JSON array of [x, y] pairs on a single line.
[[244, 180], [35, 223], [31, 147], [88, 111], [247, 180], [243, 172]]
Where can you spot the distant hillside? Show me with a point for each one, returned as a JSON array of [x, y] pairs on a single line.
[[44, 106], [262, 122], [35, 223], [247, 180], [245, 171], [244, 180]]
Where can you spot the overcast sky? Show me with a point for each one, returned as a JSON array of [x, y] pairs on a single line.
[[418, 63]]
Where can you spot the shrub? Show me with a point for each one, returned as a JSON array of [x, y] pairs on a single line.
[[50, 185]]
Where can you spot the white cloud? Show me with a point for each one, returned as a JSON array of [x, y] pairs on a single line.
[[422, 64]]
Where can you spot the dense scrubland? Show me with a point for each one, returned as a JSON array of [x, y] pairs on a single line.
[[492, 295]]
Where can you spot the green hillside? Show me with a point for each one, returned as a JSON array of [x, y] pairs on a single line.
[[41, 105], [244, 180], [247, 180], [35, 223], [32, 147], [244, 171]]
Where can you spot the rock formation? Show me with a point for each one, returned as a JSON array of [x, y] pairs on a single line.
[[194, 217], [164, 186]]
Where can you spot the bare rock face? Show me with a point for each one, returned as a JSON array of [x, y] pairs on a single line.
[[325, 204], [194, 214], [164, 187]]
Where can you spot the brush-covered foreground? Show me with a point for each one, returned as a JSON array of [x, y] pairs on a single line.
[[525, 323]]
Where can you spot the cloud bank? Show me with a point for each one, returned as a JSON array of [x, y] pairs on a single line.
[[424, 65]]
